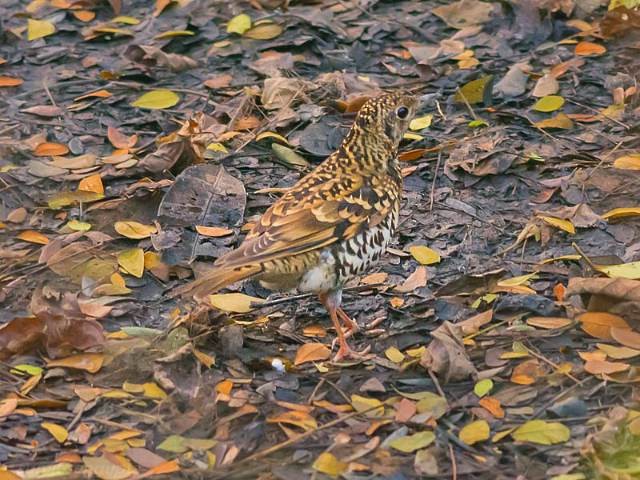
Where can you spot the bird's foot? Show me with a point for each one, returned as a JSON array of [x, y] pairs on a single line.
[[351, 325], [346, 352]]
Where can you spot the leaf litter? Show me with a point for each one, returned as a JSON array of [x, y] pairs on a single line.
[[504, 318]]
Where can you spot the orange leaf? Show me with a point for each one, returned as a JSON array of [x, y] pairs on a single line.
[[91, 362], [84, 15], [213, 231], [170, 466], [7, 406], [626, 337], [10, 81], [549, 322], [312, 352], [412, 155], [492, 405], [559, 291], [119, 139], [295, 417], [92, 183], [48, 149], [33, 237], [599, 324], [598, 367], [527, 372], [589, 49], [224, 387]]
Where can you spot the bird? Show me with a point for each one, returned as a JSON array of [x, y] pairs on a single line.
[[333, 224]]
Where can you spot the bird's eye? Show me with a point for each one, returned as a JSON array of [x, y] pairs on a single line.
[[402, 112]]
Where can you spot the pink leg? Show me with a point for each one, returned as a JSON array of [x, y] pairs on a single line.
[[331, 301]]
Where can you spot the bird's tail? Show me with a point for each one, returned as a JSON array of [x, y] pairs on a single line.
[[216, 279]]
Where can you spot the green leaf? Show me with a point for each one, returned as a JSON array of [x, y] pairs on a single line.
[[478, 123], [483, 387], [239, 24], [28, 369], [288, 156], [549, 103], [542, 432], [411, 443], [623, 270], [474, 432], [157, 99], [173, 444]]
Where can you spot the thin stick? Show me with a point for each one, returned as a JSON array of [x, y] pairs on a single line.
[[454, 467], [433, 183], [582, 254]]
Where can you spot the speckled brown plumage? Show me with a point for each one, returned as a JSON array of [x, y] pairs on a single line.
[[334, 223]]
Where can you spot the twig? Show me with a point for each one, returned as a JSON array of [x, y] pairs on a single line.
[[466, 102], [554, 365], [433, 183], [454, 467], [435, 381], [583, 255]]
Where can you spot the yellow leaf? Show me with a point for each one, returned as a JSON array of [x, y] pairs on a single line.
[[421, 122], [295, 417], [39, 29], [411, 443], [328, 464], [361, 404], [483, 387], [106, 470], [618, 353], [542, 432], [264, 31], [157, 99], [393, 354], [151, 390], [134, 230], [624, 270], [239, 24], [289, 156], [78, 226], [517, 281], [565, 225], [424, 255], [207, 360], [275, 135], [311, 352], [151, 260], [32, 236], [174, 33], [217, 147], [132, 261], [234, 302], [621, 213], [559, 121], [549, 103], [474, 91], [91, 362], [474, 432], [411, 136], [628, 162], [126, 20], [57, 431], [64, 199]]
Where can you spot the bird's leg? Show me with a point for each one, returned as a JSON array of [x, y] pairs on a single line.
[[351, 324], [331, 301]]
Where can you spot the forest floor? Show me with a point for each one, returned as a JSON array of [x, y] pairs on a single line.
[[139, 141]]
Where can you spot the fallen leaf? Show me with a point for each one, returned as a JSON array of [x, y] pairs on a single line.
[[476, 91], [549, 103], [599, 324], [57, 431], [411, 443], [474, 432], [288, 156], [234, 302], [546, 85], [157, 99], [630, 271], [219, 81], [628, 162], [626, 337], [92, 183], [464, 13], [565, 225], [134, 230], [311, 352], [420, 123], [618, 353], [623, 212], [393, 354], [10, 81], [32, 236], [549, 323], [106, 470], [599, 367], [213, 231], [91, 362], [119, 139], [295, 417], [328, 464], [361, 404], [424, 255], [64, 199], [132, 261], [483, 387], [542, 432], [589, 49], [492, 405], [39, 29], [263, 31], [239, 24], [560, 121]]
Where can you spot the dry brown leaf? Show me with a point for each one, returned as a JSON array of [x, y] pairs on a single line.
[[417, 279], [311, 352], [446, 355], [618, 296]]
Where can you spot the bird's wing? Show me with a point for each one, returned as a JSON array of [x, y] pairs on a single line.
[[312, 216]]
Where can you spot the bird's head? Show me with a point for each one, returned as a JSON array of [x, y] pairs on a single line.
[[388, 115]]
